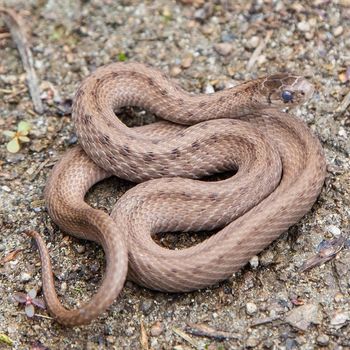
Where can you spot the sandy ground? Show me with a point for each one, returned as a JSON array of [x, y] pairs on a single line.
[[206, 47]]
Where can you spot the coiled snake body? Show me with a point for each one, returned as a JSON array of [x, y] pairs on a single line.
[[280, 171]]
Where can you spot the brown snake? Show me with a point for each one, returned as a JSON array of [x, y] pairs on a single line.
[[280, 172]]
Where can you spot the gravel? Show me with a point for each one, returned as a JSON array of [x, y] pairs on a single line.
[[205, 46]]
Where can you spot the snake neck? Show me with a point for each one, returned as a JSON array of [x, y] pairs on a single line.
[[108, 90]]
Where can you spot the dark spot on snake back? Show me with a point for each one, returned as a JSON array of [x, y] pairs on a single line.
[[214, 138], [180, 101], [213, 197], [186, 196], [148, 157], [163, 92], [114, 75], [175, 151], [195, 145], [86, 119], [150, 81], [164, 75], [105, 140], [125, 151], [80, 93]]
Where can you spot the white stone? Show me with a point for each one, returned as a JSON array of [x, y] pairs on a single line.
[[25, 277], [254, 262], [334, 230], [251, 308]]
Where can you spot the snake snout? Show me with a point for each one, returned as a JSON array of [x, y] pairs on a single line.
[[305, 88]]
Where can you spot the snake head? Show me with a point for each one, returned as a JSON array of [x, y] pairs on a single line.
[[286, 90]]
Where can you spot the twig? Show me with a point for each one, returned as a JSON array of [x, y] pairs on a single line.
[[10, 256], [14, 23], [186, 337], [344, 104], [38, 315], [203, 330], [258, 50], [143, 337], [259, 321]]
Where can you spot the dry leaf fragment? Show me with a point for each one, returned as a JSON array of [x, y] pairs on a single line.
[[326, 251], [10, 256], [143, 338]]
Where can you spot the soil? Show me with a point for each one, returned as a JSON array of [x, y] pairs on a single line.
[[205, 46]]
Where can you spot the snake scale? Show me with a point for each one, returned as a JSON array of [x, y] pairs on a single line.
[[279, 165]]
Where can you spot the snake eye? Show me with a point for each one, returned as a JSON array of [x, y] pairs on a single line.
[[287, 96]]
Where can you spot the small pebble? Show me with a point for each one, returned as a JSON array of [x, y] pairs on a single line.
[[207, 29], [37, 145], [146, 307], [303, 316], [110, 339], [254, 262], [267, 258], [223, 49], [304, 26], [154, 343], [130, 331], [63, 286], [204, 12], [252, 342], [342, 132], [157, 329], [268, 343], [25, 277], [339, 297], [339, 319], [291, 344], [209, 89], [6, 189], [251, 308], [72, 140], [334, 230], [338, 31], [253, 42], [322, 340], [175, 71], [227, 37], [15, 158], [187, 62], [80, 248]]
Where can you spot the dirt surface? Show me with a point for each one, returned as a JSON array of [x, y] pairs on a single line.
[[206, 46]]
